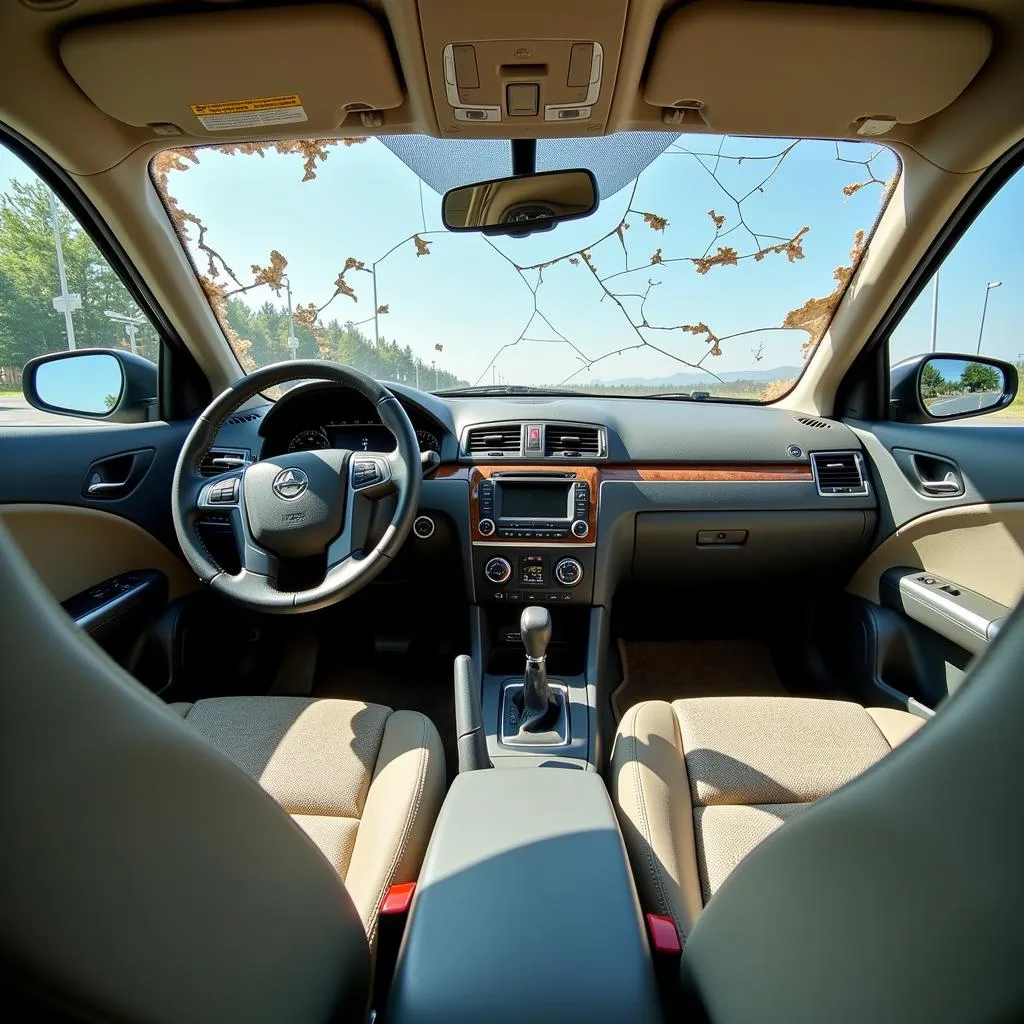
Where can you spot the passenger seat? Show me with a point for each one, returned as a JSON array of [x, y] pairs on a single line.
[[699, 783]]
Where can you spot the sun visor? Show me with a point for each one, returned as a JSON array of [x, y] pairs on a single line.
[[234, 72], [808, 69]]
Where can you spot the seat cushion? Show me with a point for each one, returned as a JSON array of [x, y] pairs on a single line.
[[699, 783], [363, 782]]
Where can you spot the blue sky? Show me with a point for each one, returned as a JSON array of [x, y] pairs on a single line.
[[467, 297]]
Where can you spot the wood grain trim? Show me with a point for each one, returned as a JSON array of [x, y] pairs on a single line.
[[451, 472], [720, 472], [478, 473]]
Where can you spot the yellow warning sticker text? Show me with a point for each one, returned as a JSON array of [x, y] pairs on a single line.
[[255, 113]]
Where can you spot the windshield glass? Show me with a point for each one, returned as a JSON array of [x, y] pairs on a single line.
[[713, 264]]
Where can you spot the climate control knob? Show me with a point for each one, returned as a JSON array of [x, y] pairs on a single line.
[[486, 527], [498, 570], [568, 572]]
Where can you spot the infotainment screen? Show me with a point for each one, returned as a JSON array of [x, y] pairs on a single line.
[[534, 500]]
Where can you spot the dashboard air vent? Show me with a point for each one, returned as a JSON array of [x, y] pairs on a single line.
[[220, 460], [839, 473], [495, 440], [242, 417], [572, 442], [810, 421]]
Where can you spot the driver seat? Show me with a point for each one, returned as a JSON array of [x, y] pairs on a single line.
[[146, 876], [365, 783]]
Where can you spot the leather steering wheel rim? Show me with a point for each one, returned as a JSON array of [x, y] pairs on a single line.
[[351, 572]]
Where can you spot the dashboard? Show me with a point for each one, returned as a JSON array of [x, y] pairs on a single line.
[[317, 416], [562, 499]]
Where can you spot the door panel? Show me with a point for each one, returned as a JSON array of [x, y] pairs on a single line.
[[73, 548], [980, 547]]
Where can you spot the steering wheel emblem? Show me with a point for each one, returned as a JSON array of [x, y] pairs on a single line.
[[290, 484]]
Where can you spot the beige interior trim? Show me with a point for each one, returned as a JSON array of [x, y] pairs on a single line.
[[332, 58], [72, 548], [853, 63], [942, 154], [980, 547]]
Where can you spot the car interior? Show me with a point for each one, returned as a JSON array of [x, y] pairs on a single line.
[[353, 670]]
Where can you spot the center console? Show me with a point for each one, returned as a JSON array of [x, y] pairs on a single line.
[[533, 530], [525, 908]]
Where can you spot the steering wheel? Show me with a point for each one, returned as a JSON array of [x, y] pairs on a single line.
[[299, 505]]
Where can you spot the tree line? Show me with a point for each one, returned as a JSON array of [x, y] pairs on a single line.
[[30, 326]]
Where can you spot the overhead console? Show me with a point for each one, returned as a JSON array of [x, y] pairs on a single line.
[[556, 82]]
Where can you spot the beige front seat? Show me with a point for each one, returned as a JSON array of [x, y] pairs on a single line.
[[365, 783], [699, 783]]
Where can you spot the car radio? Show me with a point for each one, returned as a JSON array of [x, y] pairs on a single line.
[[534, 505]]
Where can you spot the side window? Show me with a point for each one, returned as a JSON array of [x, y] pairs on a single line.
[[57, 292], [973, 305]]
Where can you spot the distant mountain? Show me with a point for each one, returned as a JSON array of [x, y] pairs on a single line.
[[693, 377]]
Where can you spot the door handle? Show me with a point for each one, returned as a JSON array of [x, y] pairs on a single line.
[[933, 475], [116, 476], [98, 486], [947, 486]]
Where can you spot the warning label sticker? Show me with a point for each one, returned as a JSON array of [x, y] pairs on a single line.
[[258, 113]]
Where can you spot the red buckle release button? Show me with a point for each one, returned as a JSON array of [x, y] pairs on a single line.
[[398, 898], [663, 935]]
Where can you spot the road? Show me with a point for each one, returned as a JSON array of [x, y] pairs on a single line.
[[16, 412], [964, 403]]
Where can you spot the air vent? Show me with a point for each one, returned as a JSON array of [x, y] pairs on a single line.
[[496, 440], [810, 421], [572, 442], [839, 473], [242, 417], [220, 460]]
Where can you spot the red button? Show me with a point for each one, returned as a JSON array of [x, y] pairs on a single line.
[[664, 937], [534, 437], [398, 898]]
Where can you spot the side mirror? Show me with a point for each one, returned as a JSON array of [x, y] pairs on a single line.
[[520, 205], [101, 384], [945, 386]]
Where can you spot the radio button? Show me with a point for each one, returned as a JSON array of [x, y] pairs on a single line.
[[580, 529], [485, 527], [568, 572], [497, 570]]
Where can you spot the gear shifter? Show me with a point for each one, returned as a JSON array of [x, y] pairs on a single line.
[[539, 708]]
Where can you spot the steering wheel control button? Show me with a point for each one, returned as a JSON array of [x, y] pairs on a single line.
[[423, 527], [568, 572], [580, 529], [367, 472], [498, 570], [485, 527], [225, 493]]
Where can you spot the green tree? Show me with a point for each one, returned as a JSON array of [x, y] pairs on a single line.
[[932, 381], [29, 325], [978, 377]]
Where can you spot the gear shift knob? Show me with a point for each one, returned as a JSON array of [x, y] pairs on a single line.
[[535, 629]]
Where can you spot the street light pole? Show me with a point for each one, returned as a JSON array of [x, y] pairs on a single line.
[[293, 343], [935, 308], [65, 297], [984, 308]]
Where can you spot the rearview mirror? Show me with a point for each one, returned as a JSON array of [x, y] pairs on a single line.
[[520, 205], [106, 384], [941, 386]]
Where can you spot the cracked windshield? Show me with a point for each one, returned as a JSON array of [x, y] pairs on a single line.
[[712, 265]]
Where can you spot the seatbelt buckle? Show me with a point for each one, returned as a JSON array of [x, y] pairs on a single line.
[[391, 922], [666, 950]]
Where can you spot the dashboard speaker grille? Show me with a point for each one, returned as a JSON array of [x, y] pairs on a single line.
[[810, 421]]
